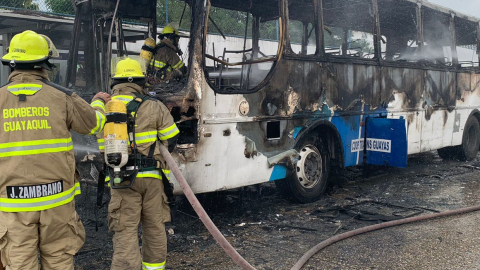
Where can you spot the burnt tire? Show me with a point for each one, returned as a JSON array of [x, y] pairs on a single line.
[[470, 143], [470, 140], [308, 181]]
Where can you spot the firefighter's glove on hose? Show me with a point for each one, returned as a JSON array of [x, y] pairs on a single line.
[[105, 97]]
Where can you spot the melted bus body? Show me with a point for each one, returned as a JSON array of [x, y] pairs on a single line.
[[290, 90]]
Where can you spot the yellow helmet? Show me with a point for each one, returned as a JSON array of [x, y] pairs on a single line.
[[128, 68], [27, 47], [169, 30]]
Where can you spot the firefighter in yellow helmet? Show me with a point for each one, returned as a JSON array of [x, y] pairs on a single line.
[[37, 183], [145, 201], [167, 65]]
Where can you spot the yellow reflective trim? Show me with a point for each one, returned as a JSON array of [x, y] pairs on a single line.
[[178, 65], [152, 174], [101, 144], [100, 123], [153, 266], [35, 147], [123, 98], [98, 104], [144, 137], [167, 173], [36, 142], [39, 204], [158, 64], [24, 89], [168, 133]]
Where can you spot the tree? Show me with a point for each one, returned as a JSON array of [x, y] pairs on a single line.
[[25, 4], [60, 6], [175, 11]]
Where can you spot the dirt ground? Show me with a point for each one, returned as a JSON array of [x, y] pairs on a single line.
[[272, 233]]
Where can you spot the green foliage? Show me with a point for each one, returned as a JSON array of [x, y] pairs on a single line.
[[230, 22], [175, 11], [25, 4], [60, 6]]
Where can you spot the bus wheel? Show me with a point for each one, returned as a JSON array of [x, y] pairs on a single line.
[[308, 181], [469, 147], [470, 143]]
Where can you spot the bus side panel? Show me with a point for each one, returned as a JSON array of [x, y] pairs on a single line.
[[438, 98], [405, 88], [352, 135], [220, 161]]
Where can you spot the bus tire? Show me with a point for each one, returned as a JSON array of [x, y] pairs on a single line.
[[308, 181], [467, 151], [470, 140]]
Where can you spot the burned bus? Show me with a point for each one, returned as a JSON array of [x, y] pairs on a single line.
[[292, 90]]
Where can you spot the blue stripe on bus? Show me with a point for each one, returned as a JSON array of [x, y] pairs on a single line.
[[279, 172], [296, 130]]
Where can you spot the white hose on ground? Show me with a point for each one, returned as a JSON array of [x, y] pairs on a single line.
[[239, 260], [236, 257]]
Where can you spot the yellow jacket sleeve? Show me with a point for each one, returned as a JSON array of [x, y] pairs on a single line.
[[83, 117]]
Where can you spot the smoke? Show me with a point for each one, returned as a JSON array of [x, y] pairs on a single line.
[[437, 47]]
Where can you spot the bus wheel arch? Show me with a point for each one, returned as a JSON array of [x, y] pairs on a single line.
[[309, 179], [470, 145]]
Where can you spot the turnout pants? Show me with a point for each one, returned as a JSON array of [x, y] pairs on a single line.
[[144, 202], [57, 233]]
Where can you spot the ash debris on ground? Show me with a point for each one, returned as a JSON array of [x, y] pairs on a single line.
[[272, 233]]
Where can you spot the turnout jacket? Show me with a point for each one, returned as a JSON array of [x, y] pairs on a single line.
[[166, 58], [153, 123], [36, 149]]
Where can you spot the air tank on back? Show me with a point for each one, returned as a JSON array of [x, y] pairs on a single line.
[[116, 138]]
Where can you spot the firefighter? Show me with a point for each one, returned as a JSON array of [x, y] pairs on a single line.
[[37, 183], [166, 63], [145, 201]]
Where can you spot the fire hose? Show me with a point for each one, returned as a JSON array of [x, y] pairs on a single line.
[[240, 261]]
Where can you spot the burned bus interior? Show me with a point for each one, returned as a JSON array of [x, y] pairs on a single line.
[[407, 34]]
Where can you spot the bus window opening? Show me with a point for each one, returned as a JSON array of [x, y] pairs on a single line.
[[398, 22], [346, 33], [242, 45], [301, 27]]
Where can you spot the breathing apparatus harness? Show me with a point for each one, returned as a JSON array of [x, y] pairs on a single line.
[[136, 162]]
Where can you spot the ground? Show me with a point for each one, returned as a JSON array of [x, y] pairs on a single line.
[[272, 233]]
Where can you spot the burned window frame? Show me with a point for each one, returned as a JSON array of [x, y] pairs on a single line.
[[382, 28], [318, 26], [305, 31], [274, 60], [456, 21]]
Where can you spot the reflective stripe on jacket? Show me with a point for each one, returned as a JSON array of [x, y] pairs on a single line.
[[36, 148], [166, 56]]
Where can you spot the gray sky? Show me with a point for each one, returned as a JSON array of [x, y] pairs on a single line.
[[470, 7]]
